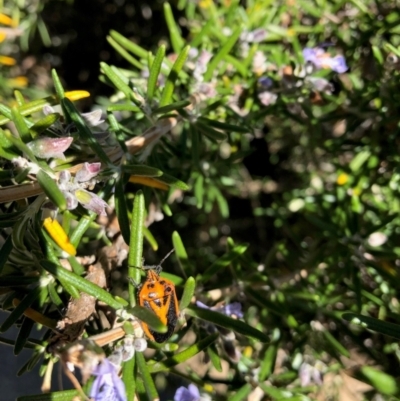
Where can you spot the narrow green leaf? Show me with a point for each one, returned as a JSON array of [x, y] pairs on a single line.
[[154, 72], [149, 317], [148, 382], [336, 344], [214, 357], [171, 107], [19, 97], [174, 31], [223, 126], [136, 244], [199, 190], [77, 268], [20, 125], [221, 201], [81, 284], [242, 393], [84, 132], [128, 378], [182, 255], [222, 320], [80, 229], [150, 238], [23, 334], [66, 395], [21, 146], [121, 208], [268, 362], [7, 148], [118, 82], [55, 298], [5, 251], [210, 132], [381, 381], [51, 189], [124, 53], [52, 257], [184, 355], [173, 76], [30, 363], [57, 84], [43, 124], [129, 45], [37, 105], [204, 33], [141, 170], [276, 393], [359, 160], [20, 308], [124, 107], [370, 323], [225, 49], [188, 292], [173, 182], [224, 261]]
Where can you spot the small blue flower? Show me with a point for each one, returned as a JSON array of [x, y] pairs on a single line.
[[187, 394], [107, 386], [321, 59]]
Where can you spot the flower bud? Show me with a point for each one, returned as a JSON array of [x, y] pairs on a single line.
[[87, 172], [46, 147], [91, 201]]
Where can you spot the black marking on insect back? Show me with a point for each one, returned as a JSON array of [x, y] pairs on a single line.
[[172, 319], [165, 300]]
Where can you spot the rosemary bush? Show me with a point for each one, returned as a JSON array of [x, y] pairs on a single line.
[[263, 140]]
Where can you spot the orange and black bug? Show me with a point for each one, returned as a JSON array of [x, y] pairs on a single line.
[[158, 294]]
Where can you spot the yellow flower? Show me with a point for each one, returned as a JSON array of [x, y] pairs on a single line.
[[5, 60], [2, 36], [6, 20], [205, 3], [76, 95], [59, 236], [342, 179], [18, 82]]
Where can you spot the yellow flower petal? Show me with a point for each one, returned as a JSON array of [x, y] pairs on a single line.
[[149, 182], [205, 3], [59, 236], [6, 20], [18, 82], [7, 60], [342, 179], [2, 36], [76, 95]]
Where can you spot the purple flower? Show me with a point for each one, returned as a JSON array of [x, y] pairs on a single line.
[[187, 394], [91, 201], [321, 59], [46, 147], [309, 374], [107, 386], [87, 172]]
